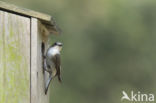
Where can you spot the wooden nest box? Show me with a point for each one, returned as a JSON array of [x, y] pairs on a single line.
[[22, 35]]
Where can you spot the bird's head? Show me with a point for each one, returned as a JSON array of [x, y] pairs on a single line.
[[58, 45]]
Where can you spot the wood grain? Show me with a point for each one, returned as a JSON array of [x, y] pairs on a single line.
[[26, 12], [14, 58], [47, 20], [37, 74]]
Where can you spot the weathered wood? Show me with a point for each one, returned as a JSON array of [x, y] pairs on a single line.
[[22, 33], [14, 58], [26, 12], [45, 19], [37, 74]]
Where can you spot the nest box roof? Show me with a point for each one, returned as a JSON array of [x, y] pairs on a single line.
[[47, 20]]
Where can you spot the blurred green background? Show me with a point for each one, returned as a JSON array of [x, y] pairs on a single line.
[[109, 46]]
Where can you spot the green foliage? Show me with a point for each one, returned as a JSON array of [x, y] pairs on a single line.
[[109, 46]]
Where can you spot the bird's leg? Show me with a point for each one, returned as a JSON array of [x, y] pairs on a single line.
[[45, 65], [46, 68]]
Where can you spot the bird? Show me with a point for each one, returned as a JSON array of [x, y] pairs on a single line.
[[125, 96], [52, 63]]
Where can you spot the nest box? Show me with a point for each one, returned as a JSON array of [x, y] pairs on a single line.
[[23, 34]]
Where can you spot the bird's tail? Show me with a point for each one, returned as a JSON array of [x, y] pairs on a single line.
[[48, 83]]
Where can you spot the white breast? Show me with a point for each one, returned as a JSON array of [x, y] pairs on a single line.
[[52, 51]]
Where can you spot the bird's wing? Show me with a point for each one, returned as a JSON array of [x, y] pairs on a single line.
[[57, 61]]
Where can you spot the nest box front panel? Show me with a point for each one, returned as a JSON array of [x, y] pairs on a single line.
[[14, 58]]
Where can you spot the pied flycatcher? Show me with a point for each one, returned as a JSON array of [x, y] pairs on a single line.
[[52, 63]]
